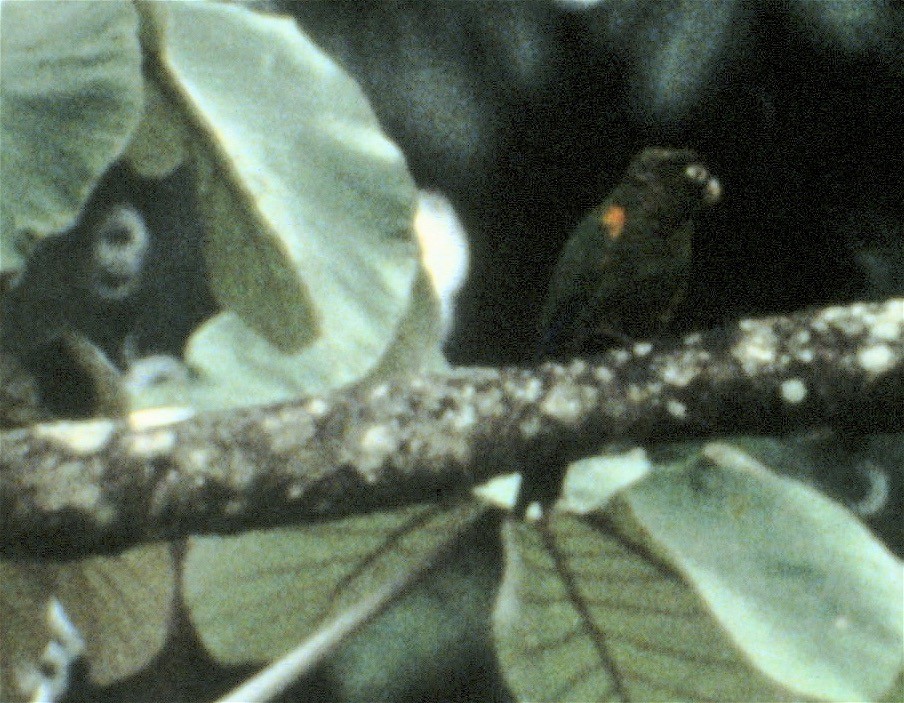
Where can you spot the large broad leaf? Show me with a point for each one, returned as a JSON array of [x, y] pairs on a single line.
[[252, 597], [233, 365], [161, 140], [806, 591], [714, 580], [121, 606], [72, 93], [584, 616], [308, 204]]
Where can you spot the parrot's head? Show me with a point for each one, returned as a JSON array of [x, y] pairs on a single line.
[[673, 183]]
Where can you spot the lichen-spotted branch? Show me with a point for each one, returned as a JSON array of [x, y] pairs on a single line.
[[71, 488]]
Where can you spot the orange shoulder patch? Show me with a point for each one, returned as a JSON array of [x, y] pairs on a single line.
[[613, 219]]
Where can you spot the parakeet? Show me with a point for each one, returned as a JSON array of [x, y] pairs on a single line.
[[625, 266]]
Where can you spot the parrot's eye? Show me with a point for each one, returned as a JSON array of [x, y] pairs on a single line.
[[697, 173]]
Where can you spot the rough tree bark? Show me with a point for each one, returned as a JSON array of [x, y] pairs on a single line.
[[72, 488]]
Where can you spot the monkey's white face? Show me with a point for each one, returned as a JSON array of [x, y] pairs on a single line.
[[118, 249]]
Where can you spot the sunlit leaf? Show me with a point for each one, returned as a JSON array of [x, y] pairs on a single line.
[[121, 605], [253, 596], [69, 107], [443, 250], [712, 579], [582, 616], [233, 365], [589, 484], [896, 694], [802, 587], [420, 643], [308, 204], [160, 143]]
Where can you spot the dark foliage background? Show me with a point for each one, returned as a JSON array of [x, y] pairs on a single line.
[[526, 113]]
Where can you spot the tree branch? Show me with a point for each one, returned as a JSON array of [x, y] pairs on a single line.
[[73, 488]]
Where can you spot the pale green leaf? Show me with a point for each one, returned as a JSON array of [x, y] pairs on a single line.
[[232, 365], [443, 248], [416, 646], [589, 484], [500, 491], [160, 143], [308, 204], [896, 694], [121, 605], [69, 107], [418, 342], [583, 615], [253, 596], [804, 589]]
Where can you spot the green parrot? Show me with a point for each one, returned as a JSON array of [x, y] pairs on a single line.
[[625, 266]]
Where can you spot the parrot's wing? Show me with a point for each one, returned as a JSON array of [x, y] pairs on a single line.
[[574, 330], [566, 328]]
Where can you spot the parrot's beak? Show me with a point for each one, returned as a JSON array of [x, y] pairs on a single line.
[[713, 190]]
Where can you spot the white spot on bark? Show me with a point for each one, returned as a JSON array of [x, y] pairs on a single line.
[[461, 419], [379, 391], [681, 371], [642, 348], [887, 330], [577, 366], [757, 350], [530, 427], [151, 444], [417, 384], [318, 407], [888, 324], [533, 512], [158, 417], [637, 393], [566, 401], [876, 359], [805, 356], [489, 403], [693, 339], [835, 313], [676, 409], [603, 375], [378, 439], [533, 389], [620, 356], [80, 438], [802, 338], [196, 459], [793, 390]]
